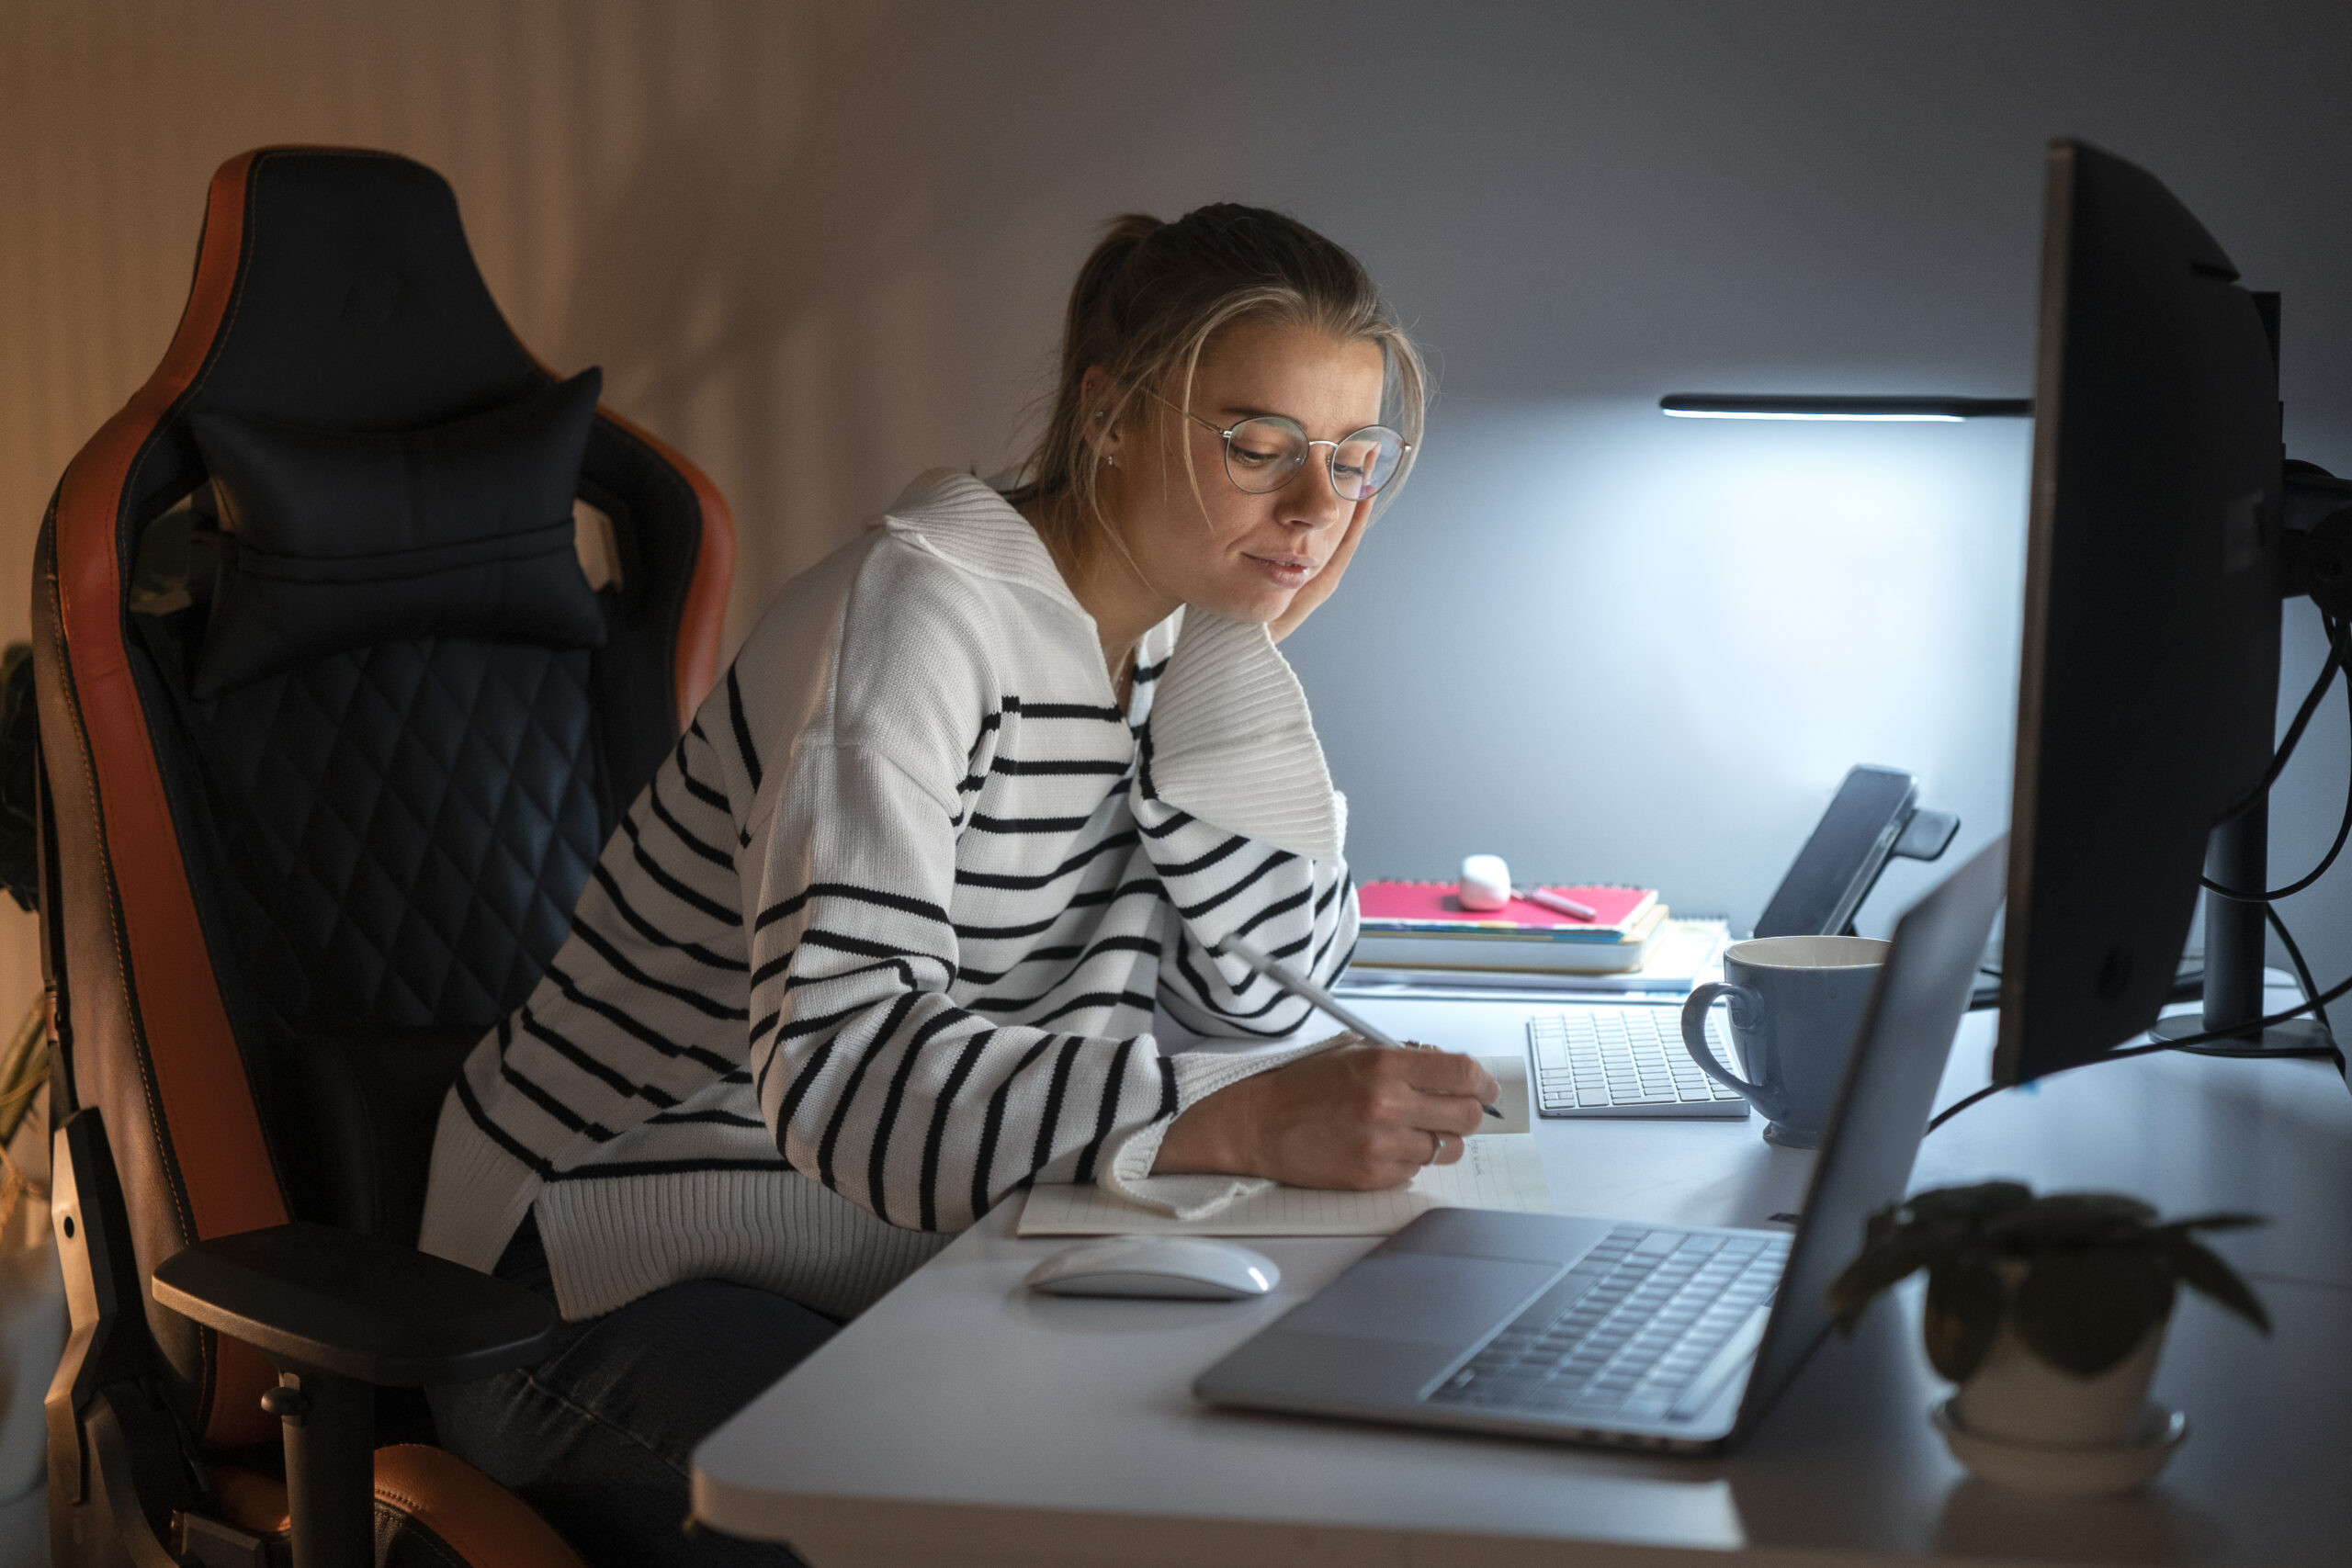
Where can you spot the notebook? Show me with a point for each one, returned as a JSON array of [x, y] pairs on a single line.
[[1434, 908], [1682, 953], [1500, 1170]]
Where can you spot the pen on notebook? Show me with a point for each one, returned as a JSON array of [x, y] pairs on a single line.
[[1556, 902], [1298, 984]]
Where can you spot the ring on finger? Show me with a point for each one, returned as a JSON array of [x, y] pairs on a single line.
[[1437, 1148]]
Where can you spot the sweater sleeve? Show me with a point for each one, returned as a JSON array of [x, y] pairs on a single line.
[[1240, 819]]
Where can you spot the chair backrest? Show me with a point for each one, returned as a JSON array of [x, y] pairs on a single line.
[[284, 909]]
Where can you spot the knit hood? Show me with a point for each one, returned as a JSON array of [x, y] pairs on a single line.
[[1229, 740]]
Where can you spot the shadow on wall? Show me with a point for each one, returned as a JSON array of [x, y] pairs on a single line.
[[801, 279], [750, 291]]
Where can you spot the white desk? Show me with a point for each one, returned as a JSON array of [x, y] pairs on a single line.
[[963, 1421]]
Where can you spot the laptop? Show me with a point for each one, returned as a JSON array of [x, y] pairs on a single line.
[[1636, 1334], [1619, 1059]]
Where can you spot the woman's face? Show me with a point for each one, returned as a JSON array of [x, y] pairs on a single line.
[[1228, 551]]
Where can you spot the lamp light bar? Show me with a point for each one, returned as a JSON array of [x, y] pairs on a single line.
[[1902, 410]]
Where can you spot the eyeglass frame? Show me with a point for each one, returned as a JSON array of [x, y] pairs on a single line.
[[1330, 458]]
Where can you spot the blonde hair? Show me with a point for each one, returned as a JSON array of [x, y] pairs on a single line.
[[1149, 302]]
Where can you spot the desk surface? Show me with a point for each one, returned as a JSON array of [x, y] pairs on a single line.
[[963, 1420]]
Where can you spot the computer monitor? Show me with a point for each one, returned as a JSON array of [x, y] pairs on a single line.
[[2148, 686]]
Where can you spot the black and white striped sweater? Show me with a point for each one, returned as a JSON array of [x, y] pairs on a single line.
[[884, 939]]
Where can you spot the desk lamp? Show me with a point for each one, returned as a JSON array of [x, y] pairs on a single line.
[[1879, 410]]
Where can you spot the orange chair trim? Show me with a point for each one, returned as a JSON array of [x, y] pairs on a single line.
[[483, 1521], [703, 615], [252, 1502], [212, 1128]]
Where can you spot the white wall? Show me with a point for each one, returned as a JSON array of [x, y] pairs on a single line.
[[821, 246]]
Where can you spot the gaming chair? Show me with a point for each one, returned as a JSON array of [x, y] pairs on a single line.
[[334, 721]]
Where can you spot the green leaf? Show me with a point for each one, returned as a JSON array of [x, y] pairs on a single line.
[[1963, 1317], [1881, 1265], [2214, 1223], [2084, 1310], [2201, 1270], [1967, 1205]]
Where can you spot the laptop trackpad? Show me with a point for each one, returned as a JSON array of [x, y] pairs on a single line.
[[1424, 1299]]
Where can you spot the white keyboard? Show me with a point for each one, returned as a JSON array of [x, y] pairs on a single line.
[[1601, 1059]]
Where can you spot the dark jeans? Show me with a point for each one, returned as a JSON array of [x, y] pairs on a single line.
[[597, 1436]]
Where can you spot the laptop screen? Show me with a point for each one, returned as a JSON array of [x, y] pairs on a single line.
[[1882, 1112]]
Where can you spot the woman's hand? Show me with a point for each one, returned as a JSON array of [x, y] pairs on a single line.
[[1315, 590], [1355, 1118]]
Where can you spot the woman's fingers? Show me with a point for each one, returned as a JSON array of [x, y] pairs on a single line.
[[1359, 1118], [1449, 1073], [1458, 1114], [1317, 589]]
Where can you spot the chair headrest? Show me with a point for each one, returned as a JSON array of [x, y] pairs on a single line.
[[358, 304]]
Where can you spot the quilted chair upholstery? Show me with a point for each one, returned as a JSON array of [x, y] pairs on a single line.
[[278, 914]]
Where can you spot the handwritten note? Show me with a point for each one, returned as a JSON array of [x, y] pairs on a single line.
[[1499, 1171]]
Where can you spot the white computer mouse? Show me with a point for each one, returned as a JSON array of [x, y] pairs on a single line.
[[1485, 883], [1177, 1268]]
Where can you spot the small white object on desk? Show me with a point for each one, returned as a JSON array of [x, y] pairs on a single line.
[[1163, 1268], [1485, 883]]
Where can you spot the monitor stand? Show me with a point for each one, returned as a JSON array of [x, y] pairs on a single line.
[[2238, 855], [2315, 559]]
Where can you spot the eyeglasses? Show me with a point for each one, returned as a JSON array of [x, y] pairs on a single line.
[[1261, 454]]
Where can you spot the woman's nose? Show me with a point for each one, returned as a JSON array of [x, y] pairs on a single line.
[[1310, 500]]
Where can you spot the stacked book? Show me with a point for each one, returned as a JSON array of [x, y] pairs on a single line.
[[1419, 930]]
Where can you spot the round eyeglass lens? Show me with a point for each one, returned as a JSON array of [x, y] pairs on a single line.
[[1363, 462], [1260, 455]]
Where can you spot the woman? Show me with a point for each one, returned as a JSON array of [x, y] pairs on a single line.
[[883, 940]]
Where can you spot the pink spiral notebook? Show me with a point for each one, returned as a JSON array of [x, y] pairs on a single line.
[[1432, 907]]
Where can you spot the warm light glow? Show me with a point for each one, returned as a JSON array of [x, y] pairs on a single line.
[[1841, 418]]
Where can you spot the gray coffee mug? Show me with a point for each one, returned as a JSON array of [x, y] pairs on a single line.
[[1796, 1004]]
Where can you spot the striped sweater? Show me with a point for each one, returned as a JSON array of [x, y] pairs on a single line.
[[884, 939]]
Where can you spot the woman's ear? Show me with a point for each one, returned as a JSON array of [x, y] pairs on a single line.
[[1094, 396]]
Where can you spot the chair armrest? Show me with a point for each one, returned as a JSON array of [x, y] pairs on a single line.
[[356, 1305]]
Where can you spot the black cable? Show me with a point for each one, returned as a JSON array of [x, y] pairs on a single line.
[[2302, 970], [2210, 1043], [1957, 1106], [2210, 1039], [2336, 661], [2344, 828]]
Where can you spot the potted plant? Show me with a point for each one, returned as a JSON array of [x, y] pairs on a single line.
[[2047, 1312]]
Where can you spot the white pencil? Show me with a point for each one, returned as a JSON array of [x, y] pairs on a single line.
[[1298, 984], [1557, 903]]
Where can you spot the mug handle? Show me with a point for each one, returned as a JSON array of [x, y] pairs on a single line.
[[1694, 1030]]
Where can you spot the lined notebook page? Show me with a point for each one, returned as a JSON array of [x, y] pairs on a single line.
[[1495, 1171]]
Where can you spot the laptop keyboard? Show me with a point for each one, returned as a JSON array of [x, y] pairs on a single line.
[[1600, 1060], [1652, 1337]]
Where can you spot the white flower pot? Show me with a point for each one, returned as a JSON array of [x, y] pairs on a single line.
[[2016, 1397]]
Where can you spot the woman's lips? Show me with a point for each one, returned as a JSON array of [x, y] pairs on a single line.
[[1282, 571]]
